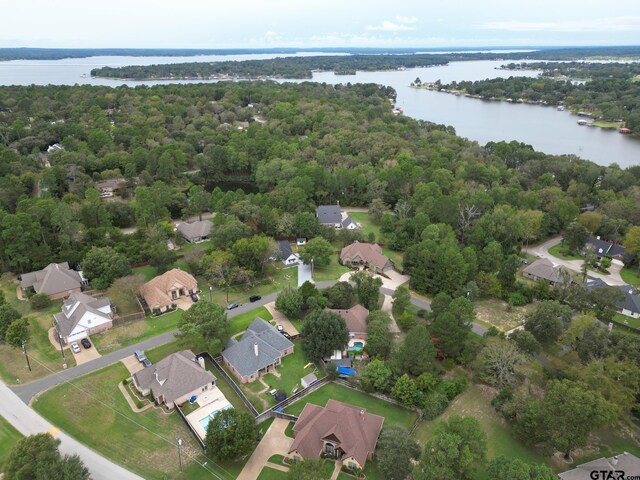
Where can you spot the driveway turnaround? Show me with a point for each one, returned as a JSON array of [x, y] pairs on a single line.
[[28, 422], [85, 355]]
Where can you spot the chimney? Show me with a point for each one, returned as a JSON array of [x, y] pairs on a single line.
[[201, 362], [255, 349], [614, 461]]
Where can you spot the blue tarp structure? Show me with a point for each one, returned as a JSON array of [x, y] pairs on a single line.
[[350, 372]]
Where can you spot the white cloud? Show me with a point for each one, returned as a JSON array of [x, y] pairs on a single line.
[[611, 24], [402, 19], [388, 26]]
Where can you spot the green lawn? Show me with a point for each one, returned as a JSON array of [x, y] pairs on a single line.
[[560, 252], [630, 321], [268, 473], [393, 414], [136, 331], [239, 323], [8, 438], [276, 459], [291, 371], [476, 402], [333, 271], [630, 276], [148, 272], [94, 411], [45, 358]]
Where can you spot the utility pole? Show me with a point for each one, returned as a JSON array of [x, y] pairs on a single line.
[[179, 441], [24, 349], [60, 342], [210, 289]]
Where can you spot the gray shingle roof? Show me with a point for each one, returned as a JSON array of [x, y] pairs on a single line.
[[270, 344], [604, 247], [348, 221], [543, 268], [54, 278], [631, 300], [329, 214], [285, 248], [194, 230], [627, 462], [174, 376], [68, 319]]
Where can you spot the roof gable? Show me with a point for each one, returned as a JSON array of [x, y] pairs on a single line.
[[329, 214], [54, 278], [367, 252], [156, 291], [197, 229]]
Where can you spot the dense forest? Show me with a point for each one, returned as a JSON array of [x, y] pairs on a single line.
[[580, 70], [458, 212], [614, 97], [303, 67]]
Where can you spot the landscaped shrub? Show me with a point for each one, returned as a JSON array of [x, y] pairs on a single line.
[[516, 299], [406, 321], [434, 404], [39, 301], [503, 396], [452, 388]]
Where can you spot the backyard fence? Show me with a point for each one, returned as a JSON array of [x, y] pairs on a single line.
[[190, 427], [625, 327], [272, 412], [216, 363]]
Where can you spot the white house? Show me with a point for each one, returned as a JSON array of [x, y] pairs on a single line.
[[82, 316], [287, 256]]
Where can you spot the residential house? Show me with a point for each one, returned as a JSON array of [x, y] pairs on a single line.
[[82, 316], [356, 321], [604, 248], [111, 187], [175, 379], [329, 215], [56, 280], [339, 430], [543, 269], [368, 255], [55, 148], [195, 232], [349, 224], [162, 292], [605, 468], [332, 216], [259, 351], [628, 304], [286, 254]]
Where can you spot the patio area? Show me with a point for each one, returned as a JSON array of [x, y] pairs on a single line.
[[209, 403]]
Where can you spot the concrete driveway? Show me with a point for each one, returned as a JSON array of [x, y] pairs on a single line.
[[542, 251], [132, 364], [279, 318], [86, 354], [304, 274], [184, 303], [274, 442]]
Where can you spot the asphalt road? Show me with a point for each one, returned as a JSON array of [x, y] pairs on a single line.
[[28, 422]]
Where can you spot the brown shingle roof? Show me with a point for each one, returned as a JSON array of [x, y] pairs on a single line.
[[156, 291], [368, 252], [348, 427], [355, 318]]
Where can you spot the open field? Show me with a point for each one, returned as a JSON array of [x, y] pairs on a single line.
[[393, 414], [135, 331], [492, 312], [9, 436], [44, 357], [476, 402], [94, 411], [630, 321]]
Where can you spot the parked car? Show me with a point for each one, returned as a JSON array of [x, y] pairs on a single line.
[[85, 343], [146, 362], [75, 347], [194, 297], [255, 298], [231, 306], [140, 356], [286, 335], [280, 328]]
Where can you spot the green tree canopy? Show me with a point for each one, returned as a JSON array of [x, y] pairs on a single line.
[[290, 302], [318, 250], [322, 333], [548, 320], [504, 468], [395, 453], [102, 265], [230, 434], [416, 354], [204, 327]]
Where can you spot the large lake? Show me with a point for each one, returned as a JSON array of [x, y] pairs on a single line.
[[547, 129]]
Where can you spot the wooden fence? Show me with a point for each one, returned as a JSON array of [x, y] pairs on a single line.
[[272, 412], [190, 427]]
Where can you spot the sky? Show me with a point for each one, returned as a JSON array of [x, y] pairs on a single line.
[[312, 23]]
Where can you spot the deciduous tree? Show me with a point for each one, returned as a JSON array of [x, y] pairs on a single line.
[[317, 250], [204, 327], [395, 453], [322, 333], [102, 265], [230, 434]]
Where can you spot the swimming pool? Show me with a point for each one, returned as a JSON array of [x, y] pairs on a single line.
[[204, 422], [357, 346]]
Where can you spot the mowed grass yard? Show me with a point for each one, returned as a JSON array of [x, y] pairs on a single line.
[[393, 414], [476, 402], [561, 252], [9, 436], [45, 357], [94, 411], [630, 276], [239, 323]]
